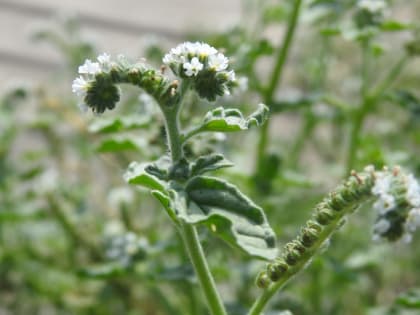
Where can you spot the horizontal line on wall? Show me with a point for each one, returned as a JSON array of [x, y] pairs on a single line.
[[27, 61], [90, 20]]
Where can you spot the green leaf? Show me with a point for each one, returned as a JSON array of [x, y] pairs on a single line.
[[229, 120], [137, 175], [165, 201], [395, 26], [104, 271], [118, 124], [209, 163], [228, 213], [409, 299], [120, 143]]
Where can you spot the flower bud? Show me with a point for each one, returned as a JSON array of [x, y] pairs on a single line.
[[262, 281], [324, 216], [308, 236], [277, 269]]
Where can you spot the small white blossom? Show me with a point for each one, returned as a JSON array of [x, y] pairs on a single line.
[[205, 50], [413, 220], [104, 58], [406, 238], [193, 67], [413, 191], [218, 62], [382, 184], [80, 86], [104, 62], [384, 203], [382, 226], [89, 67]]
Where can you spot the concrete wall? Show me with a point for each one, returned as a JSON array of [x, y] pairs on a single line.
[[114, 26]]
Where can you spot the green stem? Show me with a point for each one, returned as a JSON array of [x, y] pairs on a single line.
[[195, 251], [188, 231], [275, 80]]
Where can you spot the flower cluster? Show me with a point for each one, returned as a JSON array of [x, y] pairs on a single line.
[[94, 86], [203, 66], [398, 205]]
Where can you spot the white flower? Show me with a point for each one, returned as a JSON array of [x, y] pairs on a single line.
[[218, 62], [373, 6], [413, 219], [384, 203], [193, 67], [204, 50], [104, 58], [382, 226], [413, 191], [89, 67], [80, 86], [382, 184], [104, 61], [169, 58]]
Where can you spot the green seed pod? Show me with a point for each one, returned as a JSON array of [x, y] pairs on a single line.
[[314, 225], [324, 216], [350, 192], [292, 257], [134, 76], [262, 281], [298, 246], [336, 202], [308, 236], [277, 269]]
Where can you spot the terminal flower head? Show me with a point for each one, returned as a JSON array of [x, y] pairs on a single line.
[[204, 67]]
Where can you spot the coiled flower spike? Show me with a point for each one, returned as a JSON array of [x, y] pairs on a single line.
[[197, 65], [396, 198]]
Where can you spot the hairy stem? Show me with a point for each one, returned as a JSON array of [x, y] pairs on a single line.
[[188, 231], [275, 80]]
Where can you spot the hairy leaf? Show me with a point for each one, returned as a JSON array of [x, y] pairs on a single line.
[[228, 213], [228, 120], [208, 163], [137, 175]]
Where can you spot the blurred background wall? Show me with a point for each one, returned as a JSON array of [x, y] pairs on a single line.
[[113, 26]]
